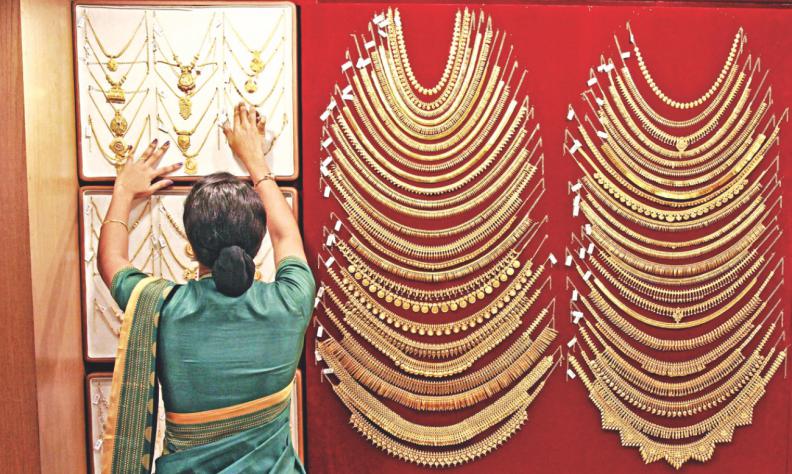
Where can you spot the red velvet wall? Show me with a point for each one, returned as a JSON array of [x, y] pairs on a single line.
[[685, 47]]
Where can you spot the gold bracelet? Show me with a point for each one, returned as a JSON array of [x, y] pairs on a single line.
[[267, 176], [116, 221]]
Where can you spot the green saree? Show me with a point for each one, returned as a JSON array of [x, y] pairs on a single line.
[[225, 364]]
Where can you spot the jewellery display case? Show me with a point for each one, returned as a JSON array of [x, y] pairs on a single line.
[[158, 245], [175, 72]]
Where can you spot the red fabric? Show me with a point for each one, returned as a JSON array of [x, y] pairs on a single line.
[[685, 47]]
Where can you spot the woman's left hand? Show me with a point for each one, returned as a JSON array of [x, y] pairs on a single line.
[[135, 178]]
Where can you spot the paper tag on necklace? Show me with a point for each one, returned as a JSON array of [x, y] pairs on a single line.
[[332, 105], [347, 89], [329, 261], [327, 142], [326, 193], [574, 295], [599, 101], [347, 97], [318, 356], [320, 291], [323, 169], [327, 161], [625, 55], [571, 373], [582, 252], [570, 113], [588, 229], [587, 275], [590, 249], [324, 115], [330, 240], [378, 18], [98, 444], [568, 261], [572, 342], [316, 302], [337, 226], [575, 147], [591, 81], [362, 63], [576, 315], [319, 332], [576, 200], [553, 259], [382, 33], [87, 131], [346, 66], [96, 398], [576, 187], [370, 44], [602, 134]]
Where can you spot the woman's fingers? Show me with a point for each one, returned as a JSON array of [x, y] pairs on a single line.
[[252, 117], [148, 151], [238, 115], [167, 169], [226, 128], [261, 124], [160, 185], [155, 158]]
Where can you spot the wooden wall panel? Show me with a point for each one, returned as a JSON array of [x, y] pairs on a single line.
[[19, 447], [54, 252]]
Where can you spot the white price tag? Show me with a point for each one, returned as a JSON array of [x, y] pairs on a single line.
[[330, 240], [348, 97], [570, 113], [576, 200], [568, 261], [331, 260], [361, 63], [87, 131], [327, 161], [590, 249], [582, 252], [320, 291], [575, 146], [95, 399], [370, 44], [576, 187], [337, 226], [602, 134], [316, 302], [327, 371], [87, 209], [326, 193], [571, 373], [346, 66], [327, 142], [553, 259], [575, 211], [572, 342], [324, 170], [588, 229], [591, 81], [599, 101], [625, 55], [319, 331], [574, 295], [382, 33], [332, 105], [324, 115], [378, 18], [347, 89], [587, 275], [98, 444], [576, 316], [318, 356]]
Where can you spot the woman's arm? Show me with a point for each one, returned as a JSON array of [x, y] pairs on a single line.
[[133, 182], [246, 139]]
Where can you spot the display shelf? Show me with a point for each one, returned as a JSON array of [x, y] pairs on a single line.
[[174, 72], [156, 246]]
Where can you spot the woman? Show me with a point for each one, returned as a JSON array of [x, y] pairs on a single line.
[[224, 348]]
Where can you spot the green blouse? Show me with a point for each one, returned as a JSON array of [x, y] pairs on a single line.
[[216, 351]]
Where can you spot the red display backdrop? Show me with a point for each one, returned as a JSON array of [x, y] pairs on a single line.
[[685, 47]]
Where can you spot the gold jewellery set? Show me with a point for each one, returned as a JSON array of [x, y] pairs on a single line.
[[202, 87], [677, 279], [434, 291]]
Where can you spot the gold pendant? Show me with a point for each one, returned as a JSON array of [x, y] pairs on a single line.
[[188, 250], [112, 65], [256, 64], [681, 144], [118, 147], [116, 94], [190, 166], [186, 79], [185, 107], [183, 141], [118, 125], [251, 86]]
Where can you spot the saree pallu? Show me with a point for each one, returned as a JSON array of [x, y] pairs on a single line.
[[250, 437]]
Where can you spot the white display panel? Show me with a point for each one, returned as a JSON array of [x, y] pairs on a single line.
[[157, 246], [181, 70]]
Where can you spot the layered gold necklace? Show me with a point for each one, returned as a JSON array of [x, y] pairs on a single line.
[[678, 255], [437, 247]]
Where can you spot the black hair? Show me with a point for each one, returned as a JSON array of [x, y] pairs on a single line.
[[225, 223]]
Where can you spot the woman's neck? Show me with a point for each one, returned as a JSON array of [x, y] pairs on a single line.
[[203, 269]]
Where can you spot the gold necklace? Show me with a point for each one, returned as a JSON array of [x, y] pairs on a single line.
[[116, 93], [112, 58], [737, 43], [183, 136], [257, 65]]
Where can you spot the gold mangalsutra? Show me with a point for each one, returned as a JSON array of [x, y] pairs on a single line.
[[116, 94], [275, 83], [251, 85], [183, 136], [257, 64]]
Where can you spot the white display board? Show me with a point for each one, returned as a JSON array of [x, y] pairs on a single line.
[[158, 246], [175, 73]]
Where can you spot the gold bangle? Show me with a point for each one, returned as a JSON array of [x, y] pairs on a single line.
[[117, 221], [267, 176]]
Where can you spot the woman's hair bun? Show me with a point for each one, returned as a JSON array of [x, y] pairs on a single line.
[[233, 271]]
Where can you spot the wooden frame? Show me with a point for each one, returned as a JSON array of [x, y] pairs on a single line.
[[299, 420], [198, 3], [89, 415], [291, 191]]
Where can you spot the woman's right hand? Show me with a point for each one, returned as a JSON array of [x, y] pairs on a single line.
[[246, 140]]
